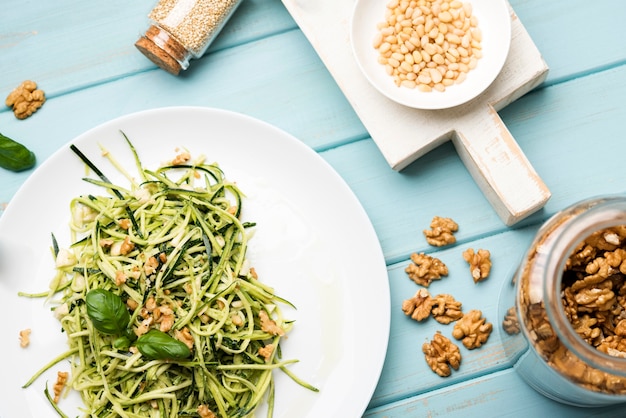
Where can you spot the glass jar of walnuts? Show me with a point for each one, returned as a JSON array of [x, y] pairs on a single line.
[[568, 326]]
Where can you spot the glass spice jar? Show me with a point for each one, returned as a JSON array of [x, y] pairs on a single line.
[[567, 338], [182, 30]]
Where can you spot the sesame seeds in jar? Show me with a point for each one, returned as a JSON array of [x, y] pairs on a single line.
[[182, 30]]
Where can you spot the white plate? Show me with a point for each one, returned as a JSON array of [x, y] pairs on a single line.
[[494, 20], [314, 243]]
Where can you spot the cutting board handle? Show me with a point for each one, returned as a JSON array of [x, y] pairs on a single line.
[[499, 166]]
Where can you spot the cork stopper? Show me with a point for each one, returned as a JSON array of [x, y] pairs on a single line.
[[162, 49]]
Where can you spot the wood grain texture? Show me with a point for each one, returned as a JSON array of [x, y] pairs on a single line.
[[570, 128]]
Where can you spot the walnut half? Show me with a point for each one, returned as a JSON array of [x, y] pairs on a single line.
[[25, 99], [479, 263], [441, 354], [446, 309], [472, 329], [419, 306], [425, 269], [510, 323], [441, 232]]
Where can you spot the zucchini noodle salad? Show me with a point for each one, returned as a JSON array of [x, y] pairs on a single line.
[[164, 316]]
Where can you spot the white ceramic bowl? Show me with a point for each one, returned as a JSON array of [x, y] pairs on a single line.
[[494, 21]]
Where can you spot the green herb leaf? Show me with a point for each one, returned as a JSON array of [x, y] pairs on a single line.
[[158, 345], [107, 312], [15, 156]]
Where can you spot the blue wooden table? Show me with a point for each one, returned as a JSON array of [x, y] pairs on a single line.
[[570, 128]]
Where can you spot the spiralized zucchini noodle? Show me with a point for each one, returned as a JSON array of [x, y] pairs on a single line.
[[163, 313]]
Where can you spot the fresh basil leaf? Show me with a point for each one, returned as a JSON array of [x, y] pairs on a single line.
[[107, 312], [158, 345], [15, 156]]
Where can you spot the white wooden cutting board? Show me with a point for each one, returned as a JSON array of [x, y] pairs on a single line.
[[404, 134]]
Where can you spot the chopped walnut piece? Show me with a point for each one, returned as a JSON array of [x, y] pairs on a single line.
[[266, 351], [127, 246], [184, 336], [120, 278], [587, 328], [441, 354], [59, 385], [164, 317], [479, 262], [143, 327], [419, 306], [441, 232], [25, 337], [268, 325], [472, 329], [446, 309], [425, 269], [181, 158], [150, 266], [510, 323], [25, 99], [125, 223], [205, 412], [613, 345]]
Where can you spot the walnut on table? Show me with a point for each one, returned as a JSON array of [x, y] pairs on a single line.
[[479, 263], [441, 232], [510, 323], [473, 330], [425, 268], [419, 306], [444, 308], [25, 99], [441, 355]]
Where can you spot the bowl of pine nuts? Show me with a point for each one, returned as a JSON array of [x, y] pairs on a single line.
[[431, 54]]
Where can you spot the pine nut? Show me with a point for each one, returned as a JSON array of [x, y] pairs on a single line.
[[424, 88], [435, 76], [428, 45], [424, 79]]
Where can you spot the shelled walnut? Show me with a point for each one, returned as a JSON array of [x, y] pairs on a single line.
[[446, 309], [424, 269], [443, 308], [479, 263], [510, 324], [441, 355], [419, 306], [472, 329], [441, 232], [25, 99]]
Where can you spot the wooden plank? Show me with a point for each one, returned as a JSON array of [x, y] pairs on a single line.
[[406, 373], [66, 45], [574, 38], [501, 394]]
